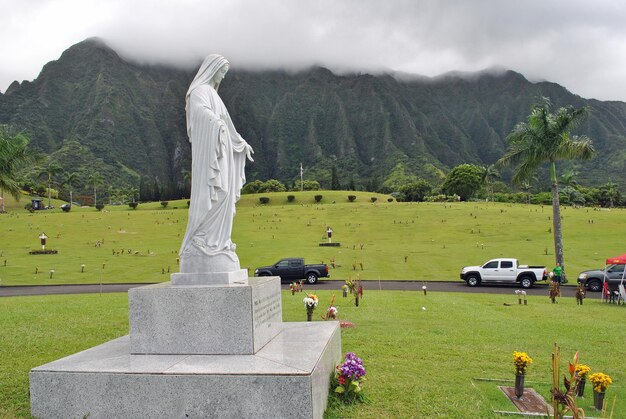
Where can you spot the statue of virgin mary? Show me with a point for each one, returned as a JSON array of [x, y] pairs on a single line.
[[218, 156]]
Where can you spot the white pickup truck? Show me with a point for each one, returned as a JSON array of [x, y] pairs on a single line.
[[504, 271]]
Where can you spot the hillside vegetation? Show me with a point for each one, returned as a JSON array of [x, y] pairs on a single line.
[[91, 110]]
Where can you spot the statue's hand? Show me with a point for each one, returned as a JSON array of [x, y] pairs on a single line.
[[249, 152]]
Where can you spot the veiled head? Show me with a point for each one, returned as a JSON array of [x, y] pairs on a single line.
[[212, 71]]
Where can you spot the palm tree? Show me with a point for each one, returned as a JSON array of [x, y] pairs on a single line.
[[526, 186], [569, 179], [70, 181], [610, 191], [95, 180], [546, 138], [13, 152], [488, 175], [50, 171]]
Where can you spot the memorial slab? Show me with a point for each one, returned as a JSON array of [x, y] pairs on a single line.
[[289, 377]]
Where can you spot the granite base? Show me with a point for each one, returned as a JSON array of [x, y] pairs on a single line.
[[289, 377], [232, 319]]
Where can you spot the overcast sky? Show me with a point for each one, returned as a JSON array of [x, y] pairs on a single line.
[[580, 44]]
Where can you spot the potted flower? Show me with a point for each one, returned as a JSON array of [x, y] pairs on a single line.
[[582, 371], [310, 303], [344, 289], [293, 287], [331, 313], [522, 361], [349, 377], [600, 383]]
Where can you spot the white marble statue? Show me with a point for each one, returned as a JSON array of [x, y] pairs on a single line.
[[217, 174]]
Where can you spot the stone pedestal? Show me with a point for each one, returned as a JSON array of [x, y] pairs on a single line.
[[234, 319], [198, 352]]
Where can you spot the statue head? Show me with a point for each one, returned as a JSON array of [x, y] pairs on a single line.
[[212, 71]]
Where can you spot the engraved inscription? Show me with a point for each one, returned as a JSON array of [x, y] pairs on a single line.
[[267, 308]]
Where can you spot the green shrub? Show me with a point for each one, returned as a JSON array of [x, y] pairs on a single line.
[[373, 199], [99, 207], [133, 205], [318, 198], [351, 198], [164, 204], [389, 199], [264, 200], [291, 198]]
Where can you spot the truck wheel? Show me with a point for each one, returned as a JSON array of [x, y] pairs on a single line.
[[311, 278], [594, 285], [526, 282], [473, 280]]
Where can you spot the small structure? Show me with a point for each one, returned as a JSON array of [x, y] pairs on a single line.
[[43, 251], [329, 235], [37, 204]]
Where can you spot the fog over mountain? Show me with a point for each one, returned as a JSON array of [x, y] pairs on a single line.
[[94, 110], [578, 44]]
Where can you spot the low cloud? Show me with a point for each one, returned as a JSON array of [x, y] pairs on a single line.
[[581, 45]]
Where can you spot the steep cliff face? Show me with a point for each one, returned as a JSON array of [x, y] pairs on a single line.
[[130, 119]]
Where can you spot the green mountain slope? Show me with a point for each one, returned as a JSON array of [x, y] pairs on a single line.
[[130, 118]]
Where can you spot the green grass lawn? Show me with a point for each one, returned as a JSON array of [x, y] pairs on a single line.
[[391, 240], [420, 362]]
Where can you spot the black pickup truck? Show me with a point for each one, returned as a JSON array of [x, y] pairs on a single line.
[[293, 269]]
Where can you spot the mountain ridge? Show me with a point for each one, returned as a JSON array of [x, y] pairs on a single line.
[[130, 117]]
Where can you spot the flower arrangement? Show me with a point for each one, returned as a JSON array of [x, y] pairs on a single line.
[[600, 381], [331, 313], [293, 287], [522, 361], [581, 371], [349, 377], [310, 303], [565, 401]]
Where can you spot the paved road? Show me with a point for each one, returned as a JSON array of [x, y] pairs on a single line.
[[432, 286]]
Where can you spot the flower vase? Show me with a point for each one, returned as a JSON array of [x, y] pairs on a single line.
[[309, 315], [345, 293], [519, 385], [293, 291], [580, 390], [598, 399]]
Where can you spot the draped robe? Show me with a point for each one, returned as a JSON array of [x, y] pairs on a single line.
[[217, 175]]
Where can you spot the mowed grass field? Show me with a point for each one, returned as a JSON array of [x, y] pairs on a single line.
[[382, 240], [426, 355]]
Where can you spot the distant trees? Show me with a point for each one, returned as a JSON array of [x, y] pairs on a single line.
[[488, 175], [96, 180], [545, 138], [415, 191], [258, 186], [70, 181], [52, 169], [463, 180], [398, 177], [13, 153]]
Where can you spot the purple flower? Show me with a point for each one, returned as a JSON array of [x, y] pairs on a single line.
[[352, 367]]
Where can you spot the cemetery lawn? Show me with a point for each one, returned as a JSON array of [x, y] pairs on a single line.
[[423, 354], [381, 241]]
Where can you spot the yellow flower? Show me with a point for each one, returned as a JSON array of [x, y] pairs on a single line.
[[600, 381], [582, 370], [521, 360]]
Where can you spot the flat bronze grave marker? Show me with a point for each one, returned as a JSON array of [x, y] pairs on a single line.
[[530, 402]]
